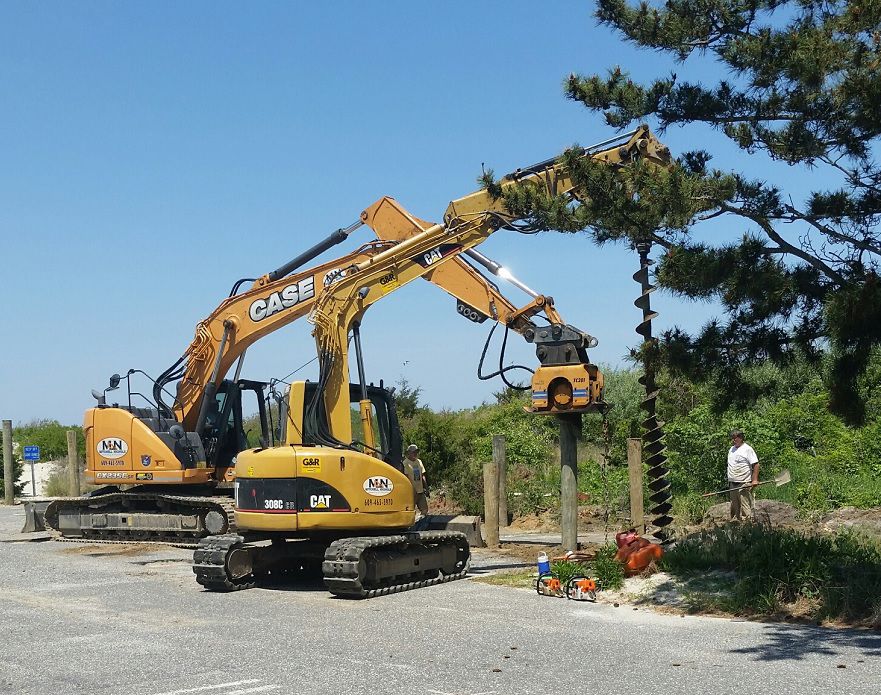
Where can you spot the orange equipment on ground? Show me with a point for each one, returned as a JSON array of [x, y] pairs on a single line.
[[636, 553]]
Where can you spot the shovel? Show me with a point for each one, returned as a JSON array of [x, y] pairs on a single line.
[[781, 478]]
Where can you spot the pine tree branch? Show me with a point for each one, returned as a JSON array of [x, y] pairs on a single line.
[[766, 226], [830, 232]]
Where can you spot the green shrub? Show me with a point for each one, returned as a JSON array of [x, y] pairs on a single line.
[[840, 575], [565, 570], [608, 571], [690, 508], [50, 436], [17, 468], [59, 483]]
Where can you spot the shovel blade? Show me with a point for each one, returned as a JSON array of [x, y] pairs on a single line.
[[782, 478]]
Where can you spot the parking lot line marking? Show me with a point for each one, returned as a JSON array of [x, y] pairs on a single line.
[[203, 688]]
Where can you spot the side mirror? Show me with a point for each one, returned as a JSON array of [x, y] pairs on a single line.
[[176, 432], [114, 382]]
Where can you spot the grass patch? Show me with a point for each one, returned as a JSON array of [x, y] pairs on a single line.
[[784, 571], [518, 579]]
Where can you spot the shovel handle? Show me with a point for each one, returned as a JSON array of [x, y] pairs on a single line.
[[733, 489]]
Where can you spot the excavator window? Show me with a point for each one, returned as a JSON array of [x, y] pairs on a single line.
[[225, 430], [385, 418], [357, 425]]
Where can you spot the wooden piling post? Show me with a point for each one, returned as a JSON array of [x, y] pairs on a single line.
[[499, 460], [73, 463], [634, 467], [491, 504], [570, 428], [8, 474]]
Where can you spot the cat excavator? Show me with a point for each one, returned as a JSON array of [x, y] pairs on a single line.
[[332, 496]]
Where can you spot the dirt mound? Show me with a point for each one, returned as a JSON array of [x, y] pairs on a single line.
[[863, 520], [771, 512]]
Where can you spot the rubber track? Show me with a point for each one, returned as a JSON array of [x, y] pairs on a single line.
[[346, 554], [182, 539], [209, 564]]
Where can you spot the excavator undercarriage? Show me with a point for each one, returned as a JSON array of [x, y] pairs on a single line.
[[141, 514], [352, 567]]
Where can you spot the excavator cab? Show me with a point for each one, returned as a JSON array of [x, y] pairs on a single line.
[[294, 429], [224, 435], [144, 446]]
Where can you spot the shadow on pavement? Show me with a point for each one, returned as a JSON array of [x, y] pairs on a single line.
[[796, 642]]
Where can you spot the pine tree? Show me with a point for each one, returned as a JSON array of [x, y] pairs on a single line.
[[800, 83]]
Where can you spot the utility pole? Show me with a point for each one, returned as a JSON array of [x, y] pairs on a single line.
[[8, 481], [570, 428]]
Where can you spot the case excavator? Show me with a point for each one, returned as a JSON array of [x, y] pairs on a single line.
[[333, 495]]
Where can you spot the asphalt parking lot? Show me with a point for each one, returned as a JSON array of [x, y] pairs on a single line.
[[122, 620]]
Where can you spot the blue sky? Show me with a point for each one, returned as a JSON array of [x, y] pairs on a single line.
[[154, 153]]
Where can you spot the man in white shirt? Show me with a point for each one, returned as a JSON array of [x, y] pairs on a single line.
[[743, 476], [415, 471]]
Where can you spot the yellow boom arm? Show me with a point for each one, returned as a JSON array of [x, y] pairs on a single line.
[[432, 251]]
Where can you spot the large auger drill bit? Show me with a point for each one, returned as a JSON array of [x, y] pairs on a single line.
[[653, 437]]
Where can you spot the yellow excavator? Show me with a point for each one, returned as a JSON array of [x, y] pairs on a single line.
[[327, 498], [175, 461]]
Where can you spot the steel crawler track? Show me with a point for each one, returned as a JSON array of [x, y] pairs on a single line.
[[128, 517], [348, 563], [210, 566], [361, 567]]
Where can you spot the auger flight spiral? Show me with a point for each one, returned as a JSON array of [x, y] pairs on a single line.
[[653, 436]]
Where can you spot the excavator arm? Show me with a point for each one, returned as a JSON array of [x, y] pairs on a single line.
[[223, 337], [566, 382]]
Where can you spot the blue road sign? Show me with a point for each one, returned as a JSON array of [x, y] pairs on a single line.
[[32, 453]]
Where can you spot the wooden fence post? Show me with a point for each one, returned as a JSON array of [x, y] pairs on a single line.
[[491, 504], [570, 428], [501, 464], [8, 474]]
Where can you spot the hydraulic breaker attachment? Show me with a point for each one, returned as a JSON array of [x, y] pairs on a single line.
[[566, 382]]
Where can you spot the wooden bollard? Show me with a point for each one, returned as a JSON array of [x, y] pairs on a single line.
[[491, 504]]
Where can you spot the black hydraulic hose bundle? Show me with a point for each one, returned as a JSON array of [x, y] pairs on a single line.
[[173, 373], [502, 369], [314, 418]]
